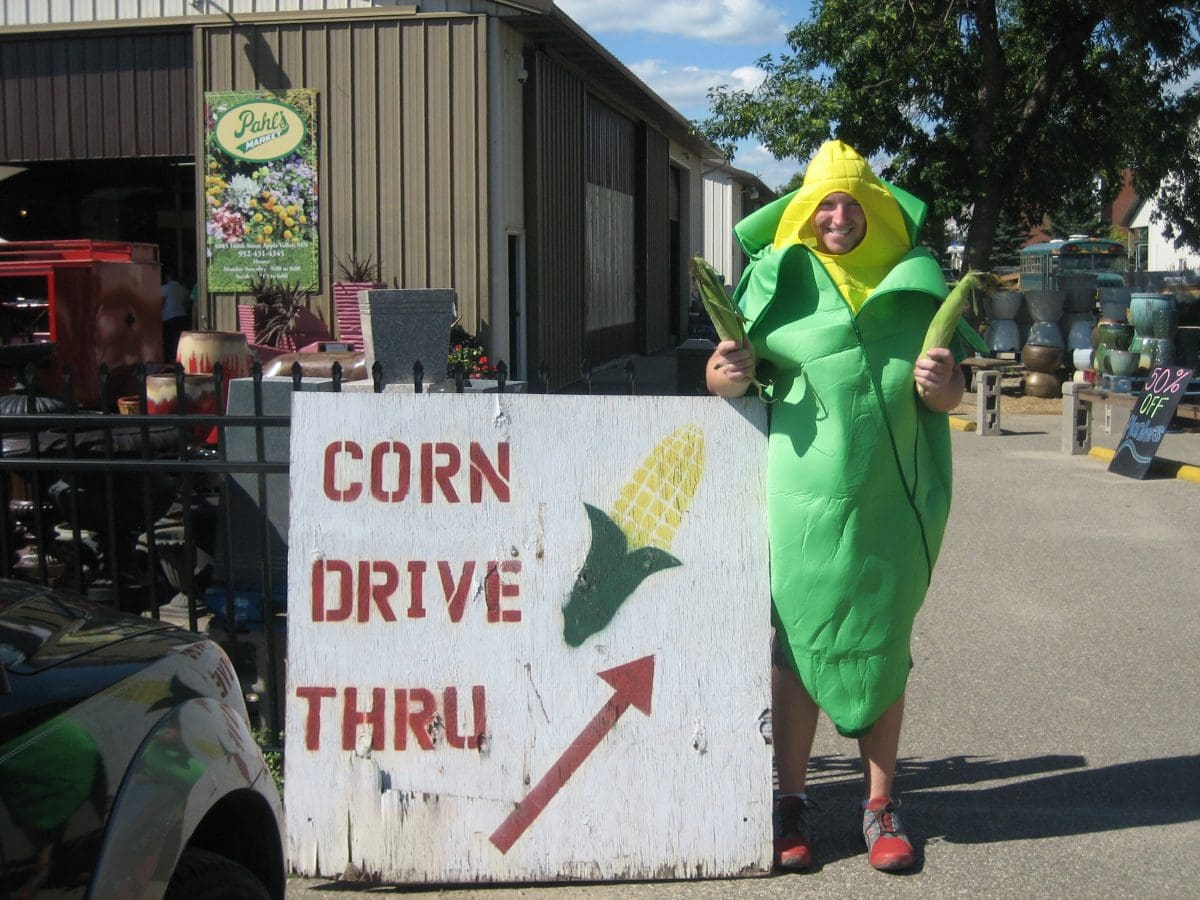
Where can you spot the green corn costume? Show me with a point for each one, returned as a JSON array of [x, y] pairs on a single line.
[[859, 471]]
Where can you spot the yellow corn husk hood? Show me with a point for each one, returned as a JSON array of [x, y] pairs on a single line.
[[838, 167]]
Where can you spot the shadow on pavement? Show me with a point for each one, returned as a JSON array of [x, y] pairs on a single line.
[[1068, 799]]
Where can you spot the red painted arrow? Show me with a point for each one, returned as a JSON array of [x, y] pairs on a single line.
[[633, 684]]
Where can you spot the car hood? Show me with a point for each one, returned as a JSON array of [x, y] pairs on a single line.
[[57, 648]]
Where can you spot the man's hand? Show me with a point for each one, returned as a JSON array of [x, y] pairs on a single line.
[[730, 370], [941, 378]]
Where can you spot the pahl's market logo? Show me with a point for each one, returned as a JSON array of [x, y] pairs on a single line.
[[259, 130]]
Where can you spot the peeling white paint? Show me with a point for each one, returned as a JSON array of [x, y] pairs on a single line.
[[463, 719]]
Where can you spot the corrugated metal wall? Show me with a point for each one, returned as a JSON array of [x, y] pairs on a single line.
[[661, 305], [554, 207], [610, 163], [403, 163], [17, 13], [69, 97]]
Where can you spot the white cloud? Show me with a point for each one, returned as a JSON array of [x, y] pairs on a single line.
[[686, 87], [727, 21], [757, 159]]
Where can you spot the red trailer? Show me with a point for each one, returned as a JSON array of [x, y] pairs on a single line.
[[94, 301]]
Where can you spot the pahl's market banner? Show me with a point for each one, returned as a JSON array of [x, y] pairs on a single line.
[[260, 188], [528, 638]]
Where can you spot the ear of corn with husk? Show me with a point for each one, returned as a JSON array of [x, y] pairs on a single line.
[[727, 319], [631, 543], [970, 290]]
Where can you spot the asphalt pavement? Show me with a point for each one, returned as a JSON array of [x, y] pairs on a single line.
[[1052, 734]]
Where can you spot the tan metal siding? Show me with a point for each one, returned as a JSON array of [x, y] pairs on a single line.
[[556, 245], [68, 97], [512, 167], [403, 143]]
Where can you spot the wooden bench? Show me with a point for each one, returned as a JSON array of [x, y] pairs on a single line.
[[1078, 401]]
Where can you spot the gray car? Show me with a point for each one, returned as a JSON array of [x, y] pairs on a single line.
[[127, 766]]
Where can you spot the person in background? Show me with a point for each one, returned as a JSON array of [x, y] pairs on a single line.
[[176, 313], [837, 299]]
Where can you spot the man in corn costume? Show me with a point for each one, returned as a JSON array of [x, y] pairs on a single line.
[[837, 299]]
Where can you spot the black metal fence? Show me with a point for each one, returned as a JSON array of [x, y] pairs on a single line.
[[134, 510]]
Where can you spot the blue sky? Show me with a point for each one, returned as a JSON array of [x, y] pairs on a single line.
[[680, 49]]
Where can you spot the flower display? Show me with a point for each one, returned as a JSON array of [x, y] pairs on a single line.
[[260, 212], [467, 353], [271, 203]]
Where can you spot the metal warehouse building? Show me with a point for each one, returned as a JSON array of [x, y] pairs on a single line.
[[491, 147]]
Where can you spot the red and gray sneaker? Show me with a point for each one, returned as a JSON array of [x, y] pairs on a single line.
[[792, 847], [888, 847]]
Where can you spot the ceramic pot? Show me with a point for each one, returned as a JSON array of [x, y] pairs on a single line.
[[1003, 304], [1045, 334], [1121, 362], [1141, 310], [1078, 329], [1165, 322], [199, 398], [1040, 358], [1043, 384], [1003, 336], [1114, 301], [1111, 336], [199, 351], [199, 394], [1045, 306], [1157, 352], [1082, 358]]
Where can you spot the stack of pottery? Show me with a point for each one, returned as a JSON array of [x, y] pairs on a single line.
[[1002, 334], [1078, 319], [1113, 338], [1043, 350], [199, 352], [1155, 319]]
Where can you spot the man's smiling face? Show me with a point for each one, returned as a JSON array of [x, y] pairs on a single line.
[[840, 223]]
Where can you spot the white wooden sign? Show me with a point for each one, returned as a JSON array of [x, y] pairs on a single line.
[[528, 638]]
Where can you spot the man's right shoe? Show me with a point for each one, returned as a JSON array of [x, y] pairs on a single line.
[[792, 847]]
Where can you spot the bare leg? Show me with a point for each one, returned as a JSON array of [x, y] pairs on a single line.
[[793, 725], [879, 748]]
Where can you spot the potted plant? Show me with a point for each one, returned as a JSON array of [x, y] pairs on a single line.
[[354, 274], [467, 354], [282, 319]]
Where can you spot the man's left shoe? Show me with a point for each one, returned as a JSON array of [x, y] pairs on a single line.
[[888, 847]]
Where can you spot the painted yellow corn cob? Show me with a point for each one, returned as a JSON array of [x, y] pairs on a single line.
[[651, 505], [632, 543], [946, 320]]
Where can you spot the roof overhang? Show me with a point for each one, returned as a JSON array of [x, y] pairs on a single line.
[[550, 29]]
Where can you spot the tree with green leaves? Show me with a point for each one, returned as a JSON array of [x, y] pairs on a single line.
[[992, 110]]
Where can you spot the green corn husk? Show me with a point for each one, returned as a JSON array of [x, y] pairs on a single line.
[[947, 321], [726, 317]]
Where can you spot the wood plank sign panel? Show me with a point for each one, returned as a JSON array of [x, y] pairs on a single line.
[[528, 638]]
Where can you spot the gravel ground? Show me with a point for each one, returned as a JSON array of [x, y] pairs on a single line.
[[1012, 402]]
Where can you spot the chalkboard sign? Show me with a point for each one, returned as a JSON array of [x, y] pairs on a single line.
[[1148, 421]]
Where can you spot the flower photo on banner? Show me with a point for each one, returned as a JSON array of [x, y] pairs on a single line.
[[260, 187]]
